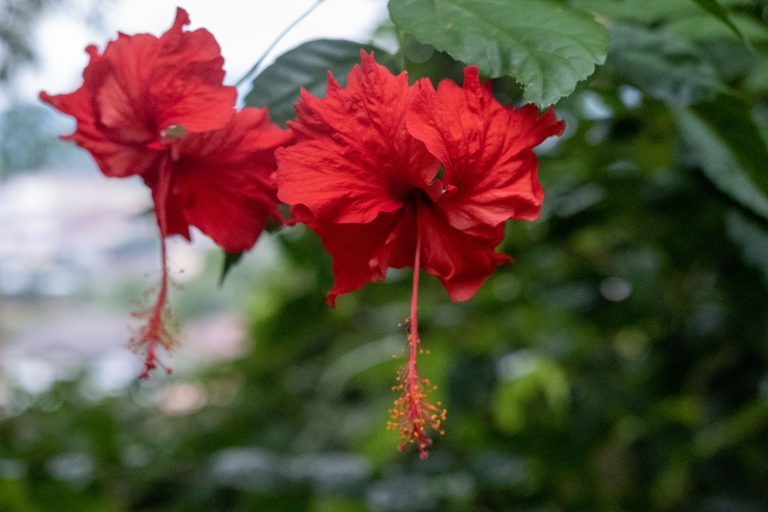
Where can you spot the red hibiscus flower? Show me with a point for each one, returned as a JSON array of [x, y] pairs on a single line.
[[156, 107], [392, 175], [223, 183]]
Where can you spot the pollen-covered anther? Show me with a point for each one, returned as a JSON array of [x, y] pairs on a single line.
[[413, 415]]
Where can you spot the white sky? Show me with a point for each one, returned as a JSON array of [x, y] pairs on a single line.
[[243, 28]]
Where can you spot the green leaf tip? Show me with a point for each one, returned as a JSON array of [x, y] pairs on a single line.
[[230, 260]]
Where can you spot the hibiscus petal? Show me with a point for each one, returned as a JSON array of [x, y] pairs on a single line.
[[118, 80], [223, 182], [115, 158], [175, 221], [355, 159], [177, 78], [249, 134], [357, 249], [152, 83], [486, 149], [461, 261], [193, 105]]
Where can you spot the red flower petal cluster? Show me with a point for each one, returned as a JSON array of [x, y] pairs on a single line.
[[157, 107], [392, 175]]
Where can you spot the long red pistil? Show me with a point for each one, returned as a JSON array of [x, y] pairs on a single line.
[[154, 333], [412, 414]]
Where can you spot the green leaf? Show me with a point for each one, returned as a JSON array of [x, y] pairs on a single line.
[[714, 8], [307, 66], [230, 260], [666, 67], [730, 149], [547, 46]]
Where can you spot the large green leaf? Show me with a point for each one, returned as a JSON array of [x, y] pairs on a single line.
[[307, 66], [729, 148], [668, 68], [547, 46]]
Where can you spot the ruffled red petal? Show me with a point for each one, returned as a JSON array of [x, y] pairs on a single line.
[[460, 260], [115, 158], [175, 79], [356, 249], [355, 159], [187, 86], [486, 148], [175, 221], [223, 182]]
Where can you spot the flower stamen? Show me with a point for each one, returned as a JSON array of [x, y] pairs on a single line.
[[154, 332], [412, 413]]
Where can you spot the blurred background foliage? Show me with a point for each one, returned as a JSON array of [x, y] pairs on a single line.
[[28, 131], [16, 45], [620, 363]]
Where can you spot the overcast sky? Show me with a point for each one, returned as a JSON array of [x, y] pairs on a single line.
[[243, 28]]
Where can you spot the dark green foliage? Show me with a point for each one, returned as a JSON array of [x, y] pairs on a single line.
[[669, 67], [714, 8]]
